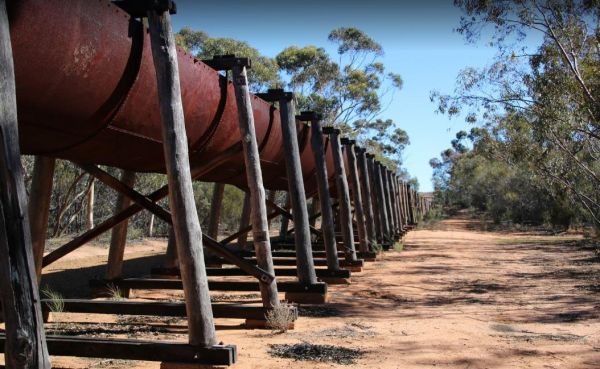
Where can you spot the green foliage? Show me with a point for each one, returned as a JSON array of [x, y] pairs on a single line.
[[536, 108], [264, 72]]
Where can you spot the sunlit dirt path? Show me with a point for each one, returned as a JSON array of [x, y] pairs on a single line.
[[455, 297]]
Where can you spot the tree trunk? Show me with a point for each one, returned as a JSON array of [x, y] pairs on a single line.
[[151, 226]]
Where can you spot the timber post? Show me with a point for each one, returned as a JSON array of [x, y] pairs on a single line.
[[25, 345], [393, 204], [304, 257], [389, 200], [186, 225], [258, 207], [118, 238], [285, 221], [39, 207], [345, 210], [216, 203], [244, 221], [327, 224], [384, 214], [171, 260], [365, 189], [379, 232], [356, 195], [398, 203]]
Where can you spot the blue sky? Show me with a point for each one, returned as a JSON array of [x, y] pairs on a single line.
[[417, 38]]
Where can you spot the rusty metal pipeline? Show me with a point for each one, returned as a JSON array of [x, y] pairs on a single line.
[[86, 92]]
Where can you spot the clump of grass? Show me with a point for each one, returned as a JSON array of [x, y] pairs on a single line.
[[281, 317], [114, 293], [55, 303], [398, 246], [376, 247]]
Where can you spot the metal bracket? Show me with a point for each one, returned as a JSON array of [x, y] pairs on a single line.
[[309, 116], [276, 94], [227, 62], [139, 8]]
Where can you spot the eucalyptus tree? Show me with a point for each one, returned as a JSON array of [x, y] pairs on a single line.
[[539, 97]]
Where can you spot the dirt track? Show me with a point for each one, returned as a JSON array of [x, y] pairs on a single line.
[[455, 297]]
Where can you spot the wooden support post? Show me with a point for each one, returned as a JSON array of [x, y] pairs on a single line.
[[405, 203], [383, 216], [91, 199], [398, 203], [379, 231], [215, 210], [384, 205], [365, 189], [171, 260], [271, 196], [394, 202], [285, 221], [25, 345], [411, 206], [389, 200], [343, 192], [188, 235], [258, 208], [39, 207], [327, 225], [118, 238], [244, 221], [304, 258], [314, 208], [357, 196]]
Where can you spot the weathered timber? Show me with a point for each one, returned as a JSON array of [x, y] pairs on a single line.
[[305, 266], [171, 260], [285, 221], [216, 204], [118, 238], [237, 272], [388, 200], [157, 308], [139, 350], [365, 190], [175, 284], [343, 195], [357, 197], [384, 215], [242, 237], [327, 225], [379, 234], [188, 235], [39, 207], [258, 209], [24, 345], [129, 212]]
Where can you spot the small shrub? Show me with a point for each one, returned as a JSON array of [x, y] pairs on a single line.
[[55, 303], [398, 246], [281, 317], [376, 247], [114, 292]]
